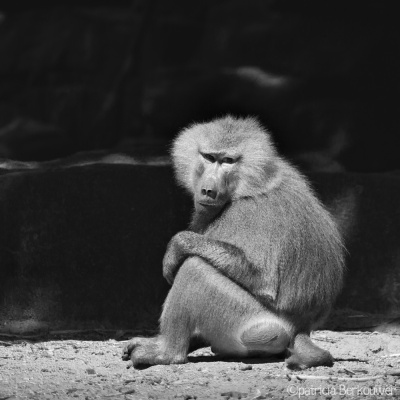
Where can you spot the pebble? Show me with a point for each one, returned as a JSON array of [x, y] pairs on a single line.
[[390, 380], [90, 371], [128, 391], [234, 395], [246, 367]]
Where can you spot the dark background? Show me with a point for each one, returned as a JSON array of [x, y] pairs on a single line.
[[127, 75], [82, 239]]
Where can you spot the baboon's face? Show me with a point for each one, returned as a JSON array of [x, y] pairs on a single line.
[[223, 161], [215, 179]]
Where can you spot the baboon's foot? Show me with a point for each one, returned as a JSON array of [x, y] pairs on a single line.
[[298, 361], [149, 351], [305, 354]]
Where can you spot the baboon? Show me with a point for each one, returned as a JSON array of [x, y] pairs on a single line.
[[262, 261]]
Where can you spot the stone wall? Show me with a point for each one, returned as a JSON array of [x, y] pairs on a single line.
[[82, 246]]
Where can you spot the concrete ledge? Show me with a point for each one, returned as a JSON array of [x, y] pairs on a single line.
[[367, 208], [85, 244], [82, 246]]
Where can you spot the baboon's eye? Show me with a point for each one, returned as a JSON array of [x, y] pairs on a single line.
[[228, 160], [208, 157]]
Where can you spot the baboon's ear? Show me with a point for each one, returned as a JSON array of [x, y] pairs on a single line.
[[258, 179], [184, 154]]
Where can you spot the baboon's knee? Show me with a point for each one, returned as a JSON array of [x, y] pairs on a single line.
[[194, 268], [265, 336]]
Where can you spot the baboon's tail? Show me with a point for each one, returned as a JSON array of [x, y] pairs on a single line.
[[305, 354]]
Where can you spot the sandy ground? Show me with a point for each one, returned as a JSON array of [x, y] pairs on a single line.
[[367, 366]]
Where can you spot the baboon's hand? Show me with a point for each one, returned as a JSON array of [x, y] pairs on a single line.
[[177, 252], [171, 262]]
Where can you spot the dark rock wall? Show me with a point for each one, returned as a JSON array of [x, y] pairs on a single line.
[[84, 245], [324, 76], [366, 207]]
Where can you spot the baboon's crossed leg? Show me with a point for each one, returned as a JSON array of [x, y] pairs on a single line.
[[204, 302]]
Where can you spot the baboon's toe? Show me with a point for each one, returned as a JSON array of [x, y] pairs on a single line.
[[144, 352], [130, 346]]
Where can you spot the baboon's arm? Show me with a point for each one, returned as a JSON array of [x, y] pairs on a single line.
[[230, 260]]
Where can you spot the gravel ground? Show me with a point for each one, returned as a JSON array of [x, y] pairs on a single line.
[[367, 366]]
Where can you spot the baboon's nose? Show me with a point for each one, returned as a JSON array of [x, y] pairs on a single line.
[[209, 193]]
